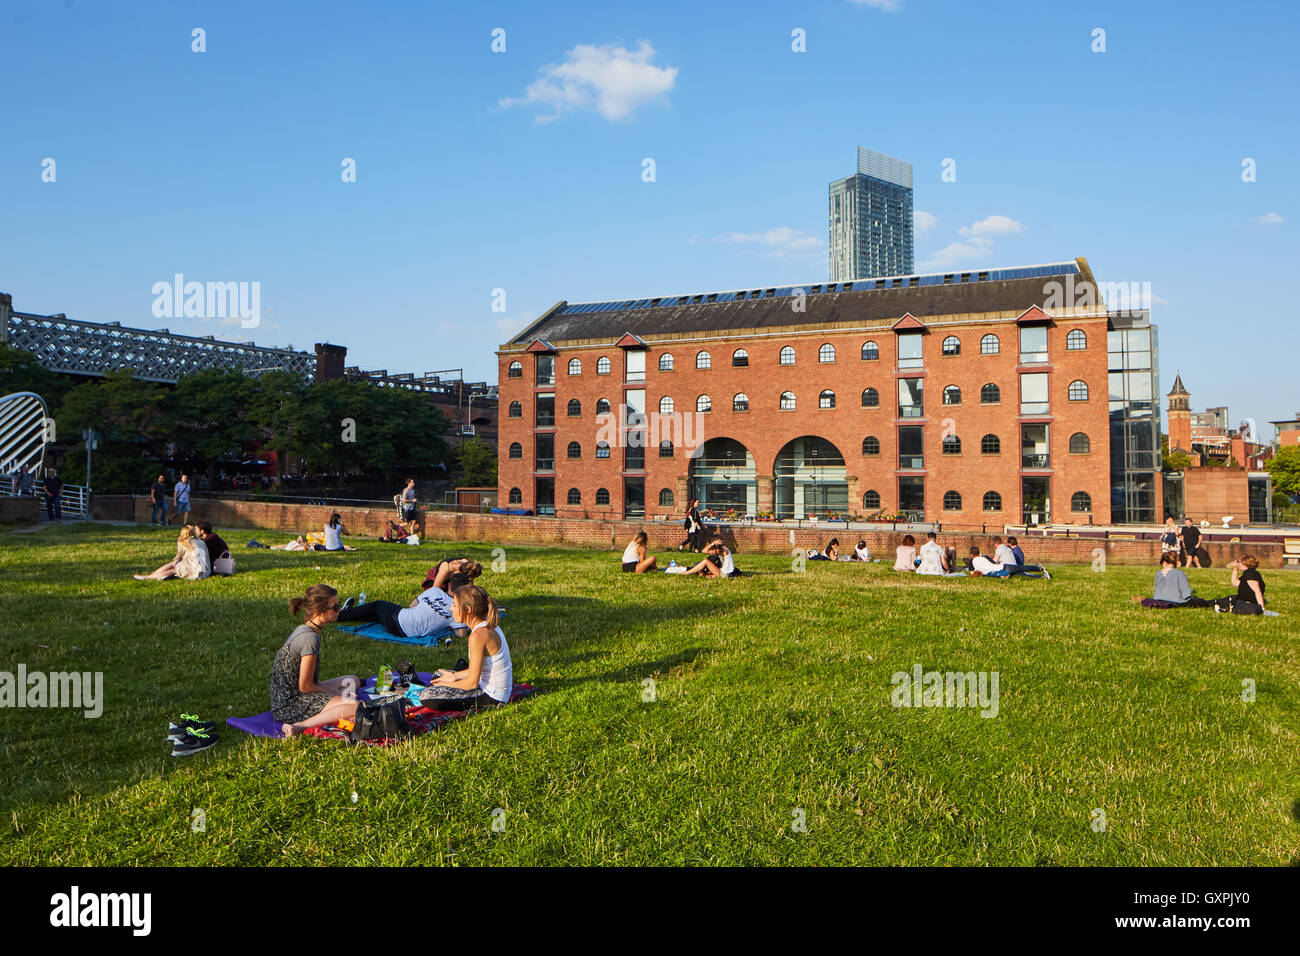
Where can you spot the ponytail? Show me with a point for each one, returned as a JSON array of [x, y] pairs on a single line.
[[478, 602], [315, 600]]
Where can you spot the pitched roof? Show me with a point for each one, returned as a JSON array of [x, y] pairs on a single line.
[[976, 291], [1178, 386]]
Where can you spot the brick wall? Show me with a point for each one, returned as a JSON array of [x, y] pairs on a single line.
[[1209, 493], [25, 510], [273, 520]]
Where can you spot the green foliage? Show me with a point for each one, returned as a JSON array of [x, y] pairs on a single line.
[[21, 372], [1285, 470], [1174, 461], [476, 464], [130, 418], [211, 417]]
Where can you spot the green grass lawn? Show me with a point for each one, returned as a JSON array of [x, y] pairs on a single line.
[[773, 699]]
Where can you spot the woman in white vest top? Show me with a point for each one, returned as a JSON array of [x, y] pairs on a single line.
[[635, 558], [489, 678]]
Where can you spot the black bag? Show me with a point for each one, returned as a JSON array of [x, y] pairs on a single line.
[[686, 524], [375, 720]]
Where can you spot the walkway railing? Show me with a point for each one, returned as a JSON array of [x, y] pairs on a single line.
[[74, 500]]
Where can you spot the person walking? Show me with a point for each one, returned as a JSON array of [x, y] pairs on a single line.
[[158, 498], [1191, 536], [408, 500], [53, 488], [181, 499]]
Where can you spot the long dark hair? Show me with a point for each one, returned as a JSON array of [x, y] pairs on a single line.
[[335, 519]]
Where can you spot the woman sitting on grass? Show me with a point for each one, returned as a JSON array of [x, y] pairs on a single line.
[[635, 558], [861, 552], [299, 698], [1249, 583], [192, 561], [334, 530], [1171, 587], [905, 556], [402, 533], [489, 678], [832, 552], [717, 563]]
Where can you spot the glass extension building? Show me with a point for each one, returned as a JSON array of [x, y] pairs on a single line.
[[1133, 360], [871, 220]]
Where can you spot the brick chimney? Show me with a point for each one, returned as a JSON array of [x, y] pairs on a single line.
[[329, 361]]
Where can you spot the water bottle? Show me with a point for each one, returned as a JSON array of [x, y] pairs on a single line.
[[361, 598]]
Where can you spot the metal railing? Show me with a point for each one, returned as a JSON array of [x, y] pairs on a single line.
[[74, 500]]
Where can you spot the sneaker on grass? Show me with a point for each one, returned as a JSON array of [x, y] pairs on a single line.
[[189, 722], [194, 741]]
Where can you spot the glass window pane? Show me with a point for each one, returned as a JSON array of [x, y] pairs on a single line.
[[1033, 393], [910, 403], [909, 350]]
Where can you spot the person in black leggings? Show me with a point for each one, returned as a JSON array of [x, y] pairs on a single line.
[[385, 612]]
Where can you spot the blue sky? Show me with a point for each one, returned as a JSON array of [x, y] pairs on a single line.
[[522, 170]]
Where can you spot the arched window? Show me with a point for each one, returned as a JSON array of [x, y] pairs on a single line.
[[1080, 444], [740, 359], [516, 410], [871, 500], [602, 449], [575, 450], [990, 394], [703, 360], [602, 366], [1077, 339], [870, 398], [575, 408], [516, 450], [787, 355], [952, 345], [666, 362], [826, 399], [575, 496], [704, 404], [516, 371], [826, 353], [992, 501], [989, 346], [951, 501], [740, 402], [870, 351], [665, 498], [665, 449], [602, 496], [666, 405], [575, 366], [952, 395], [787, 401], [516, 496], [1078, 391], [991, 445], [602, 406], [952, 445], [1080, 501], [871, 445]]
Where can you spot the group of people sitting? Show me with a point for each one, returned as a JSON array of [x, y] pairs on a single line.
[[301, 700], [200, 553], [832, 552], [717, 562], [1172, 589], [330, 539], [1008, 559]]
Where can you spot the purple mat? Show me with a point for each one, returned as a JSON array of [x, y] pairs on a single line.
[[264, 725]]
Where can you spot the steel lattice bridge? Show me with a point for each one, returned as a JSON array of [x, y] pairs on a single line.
[[91, 348]]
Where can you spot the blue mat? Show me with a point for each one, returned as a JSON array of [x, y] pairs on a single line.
[[377, 631]]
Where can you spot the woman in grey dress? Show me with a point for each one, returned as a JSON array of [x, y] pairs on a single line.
[[299, 698]]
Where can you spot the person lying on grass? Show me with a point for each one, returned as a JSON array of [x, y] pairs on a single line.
[[299, 698], [441, 572], [717, 563], [489, 678], [983, 567], [334, 530], [428, 613], [298, 544], [191, 562], [1171, 587], [635, 558]]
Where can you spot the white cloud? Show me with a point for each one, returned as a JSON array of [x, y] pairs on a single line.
[[1268, 219], [992, 226], [610, 79], [923, 223], [513, 325], [889, 6], [779, 243]]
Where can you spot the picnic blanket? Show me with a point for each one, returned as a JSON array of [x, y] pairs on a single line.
[[421, 719], [376, 631]]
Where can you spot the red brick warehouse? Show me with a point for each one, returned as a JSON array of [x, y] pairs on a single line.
[[970, 398]]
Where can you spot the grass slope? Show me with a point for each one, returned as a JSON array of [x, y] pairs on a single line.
[[773, 696]]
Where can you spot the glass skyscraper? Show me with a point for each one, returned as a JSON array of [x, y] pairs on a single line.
[[871, 220]]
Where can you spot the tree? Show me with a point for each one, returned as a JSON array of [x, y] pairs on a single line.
[[128, 415], [1284, 469], [22, 372], [276, 406], [211, 418], [1175, 460], [477, 464]]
